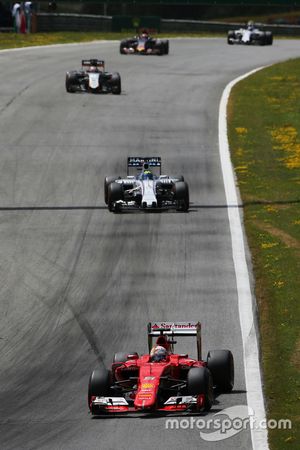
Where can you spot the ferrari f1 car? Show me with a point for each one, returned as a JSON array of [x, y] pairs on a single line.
[[93, 78], [145, 45], [250, 36], [146, 189], [161, 381]]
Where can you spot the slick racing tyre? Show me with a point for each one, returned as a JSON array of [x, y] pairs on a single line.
[[181, 196], [99, 384], [123, 45], [71, 82], [230, 37], [116, 84], [107, 182], [199, 381], [114, 194], [268, 38], [166, 47], [221, 365]]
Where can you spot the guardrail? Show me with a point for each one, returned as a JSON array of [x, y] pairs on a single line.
[[88, 22]]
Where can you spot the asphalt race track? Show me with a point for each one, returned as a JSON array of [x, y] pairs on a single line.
[[79, 283]]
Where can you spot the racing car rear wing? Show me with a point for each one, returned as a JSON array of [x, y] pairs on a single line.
[[175, 329], [93, 62], [141, 162]]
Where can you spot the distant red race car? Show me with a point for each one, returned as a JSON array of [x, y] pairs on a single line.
[[161, 381]]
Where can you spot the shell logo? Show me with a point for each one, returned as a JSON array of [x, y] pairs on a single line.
[[147, 385]]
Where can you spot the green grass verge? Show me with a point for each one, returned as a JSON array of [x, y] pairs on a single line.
[[13, 40], [264, 136]]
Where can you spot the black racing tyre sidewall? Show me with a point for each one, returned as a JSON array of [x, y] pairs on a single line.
[[107, 181], [181, 195], [99, 383], [221, 365], [116, 83], [115, 192], [199, 381]]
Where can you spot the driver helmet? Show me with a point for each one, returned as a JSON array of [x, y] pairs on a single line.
[[144, 34], [159, 354], [163, 342], [147, 175], [250, 25], [93, 69]]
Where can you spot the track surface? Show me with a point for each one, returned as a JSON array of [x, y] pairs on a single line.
[[79, 283]]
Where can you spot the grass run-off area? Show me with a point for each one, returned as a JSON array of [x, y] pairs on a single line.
[[264, 137], [14, 40]]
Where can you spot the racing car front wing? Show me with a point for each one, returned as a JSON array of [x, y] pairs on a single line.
[[100, 405]]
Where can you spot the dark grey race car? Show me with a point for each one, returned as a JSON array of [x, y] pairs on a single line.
[[146, 190], [144, 45], [93, 78]]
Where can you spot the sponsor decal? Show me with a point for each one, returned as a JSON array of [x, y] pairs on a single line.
[[147, 386], [178, 325]]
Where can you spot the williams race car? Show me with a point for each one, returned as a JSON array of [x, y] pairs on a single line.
[[93, 78], [144, 44], [161, 381], [147, 189], [250, 36]]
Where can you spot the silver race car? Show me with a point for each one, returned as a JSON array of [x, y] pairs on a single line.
[[250, 36], [146, 189], [93, 78]]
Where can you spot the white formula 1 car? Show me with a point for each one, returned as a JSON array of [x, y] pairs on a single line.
[[147, 189], [250, 36]]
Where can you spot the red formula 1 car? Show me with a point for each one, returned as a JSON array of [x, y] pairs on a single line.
[[161, 381]]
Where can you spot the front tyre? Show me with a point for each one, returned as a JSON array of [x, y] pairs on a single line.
[[107, 182], [116, 84], [181, 196], [166, 47], [230, 37], [200, 382], [99, 384], [70, 82], [115, 193], [269, 38]]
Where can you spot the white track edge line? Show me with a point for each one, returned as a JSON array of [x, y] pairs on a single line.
[[255, 398]]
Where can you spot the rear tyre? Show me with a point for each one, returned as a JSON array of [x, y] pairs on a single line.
[[199, 381], [221, 365], [114, 194], [116, 84], [99, 384], [181, 196], [121, 357]]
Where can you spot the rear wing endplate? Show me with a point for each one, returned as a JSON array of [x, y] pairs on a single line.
[[171, 329]]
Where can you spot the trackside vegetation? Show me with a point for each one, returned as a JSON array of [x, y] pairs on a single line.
[[14, 40], [264, 137]]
